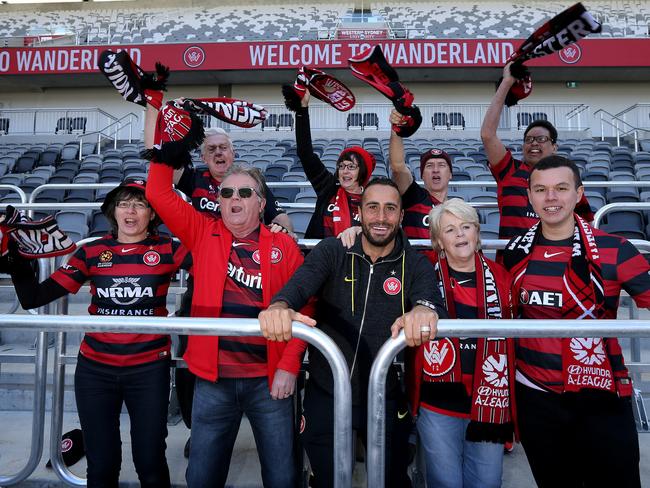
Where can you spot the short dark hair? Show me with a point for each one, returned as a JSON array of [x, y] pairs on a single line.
[[128, 193], [383, 181], [555, 161], [552, 131], [356, 158]]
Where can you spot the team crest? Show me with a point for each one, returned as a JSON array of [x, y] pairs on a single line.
[[392, 286], [524, 296], [439, 357], [105, 256], [151, 258], [66, 445], [256, 256], [276, 255]]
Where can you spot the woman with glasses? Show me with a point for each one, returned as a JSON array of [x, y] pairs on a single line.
[[129, 272], [460, 388], [338, 195]]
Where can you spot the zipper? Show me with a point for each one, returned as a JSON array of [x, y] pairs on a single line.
[[365, 303], [363, 318]]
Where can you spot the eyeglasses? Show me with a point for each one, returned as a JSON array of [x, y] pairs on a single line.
[[244, 192], [538, 139], [131, 204], [350, 166]]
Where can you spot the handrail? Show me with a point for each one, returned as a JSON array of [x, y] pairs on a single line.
[[619, 132], [101, 132], [598, 216], [472, 328], [223, 327], [38, 412]]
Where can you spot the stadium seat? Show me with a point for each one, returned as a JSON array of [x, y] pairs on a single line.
[[24, 164], [371, 119], [285, 122], [456, 120], [271, 121], [354, 121], [439, 121], [300, 219], [69, 152], [48, 158], [523, 120]]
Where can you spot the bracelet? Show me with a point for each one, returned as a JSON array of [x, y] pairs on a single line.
[[428, 304]]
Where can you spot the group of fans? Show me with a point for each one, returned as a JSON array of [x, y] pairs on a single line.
[[567, 400]]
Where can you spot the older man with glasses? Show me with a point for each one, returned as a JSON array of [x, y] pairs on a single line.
[[239, 265], [540, 140]]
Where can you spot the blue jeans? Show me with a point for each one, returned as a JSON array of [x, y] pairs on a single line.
[[452, 461], [216, 416]]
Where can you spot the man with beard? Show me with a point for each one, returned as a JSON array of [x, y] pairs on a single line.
[[435, 171], [540, 140], [378, 286]]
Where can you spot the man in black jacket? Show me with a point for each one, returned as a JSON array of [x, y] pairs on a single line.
[[365, 295]]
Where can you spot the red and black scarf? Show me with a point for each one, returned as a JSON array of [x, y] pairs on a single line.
[[585, 361], [34, 238], [566, 28], [492, 394], [371, 67]]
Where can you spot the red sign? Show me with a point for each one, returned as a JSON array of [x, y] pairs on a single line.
[[412, 53]]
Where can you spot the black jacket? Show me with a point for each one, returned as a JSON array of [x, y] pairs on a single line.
[[324, 182], [357, 302]]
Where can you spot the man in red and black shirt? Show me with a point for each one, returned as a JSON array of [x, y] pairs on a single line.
[[574, 394], [511, 175], [240, 265], [435, 171]]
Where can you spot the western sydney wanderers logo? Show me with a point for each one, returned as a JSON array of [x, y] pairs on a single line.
[[439, 357], [194, 56], [392, 286], [495, 369], [570, 54], [66, 445], [276, 256], [524, 296], [151, 258], [589, 351]]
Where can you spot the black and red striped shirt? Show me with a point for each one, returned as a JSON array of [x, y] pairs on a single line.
[[354, 202], [516, 212], [540, 297], [417, 203], [246, 356], [455, 398], [203, 190], [127, 280]]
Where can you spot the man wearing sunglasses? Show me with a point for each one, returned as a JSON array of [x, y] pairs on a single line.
[[540, 140], [240, 265]]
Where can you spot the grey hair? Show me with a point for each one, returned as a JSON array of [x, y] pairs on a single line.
[[216, 131], [458, 208]]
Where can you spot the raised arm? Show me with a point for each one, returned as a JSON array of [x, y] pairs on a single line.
[[399, 171], [316, 172], [150, 118], [494, 148]]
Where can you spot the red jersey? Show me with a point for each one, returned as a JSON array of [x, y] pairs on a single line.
[[417, 203], [243, 357], [517, 214], [540, 297], [126, 280]]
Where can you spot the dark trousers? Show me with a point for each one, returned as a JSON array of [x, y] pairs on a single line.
[[184, 378], [100, 392], [585, 439], [318, 437]]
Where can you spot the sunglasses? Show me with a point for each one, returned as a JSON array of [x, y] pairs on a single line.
[[244, 192]]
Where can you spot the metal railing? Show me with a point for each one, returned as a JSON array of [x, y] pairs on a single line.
[[376, 443], [33, 121], [116, 127], [38, 409], [565, 116], [618, 126], [611, 207]]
